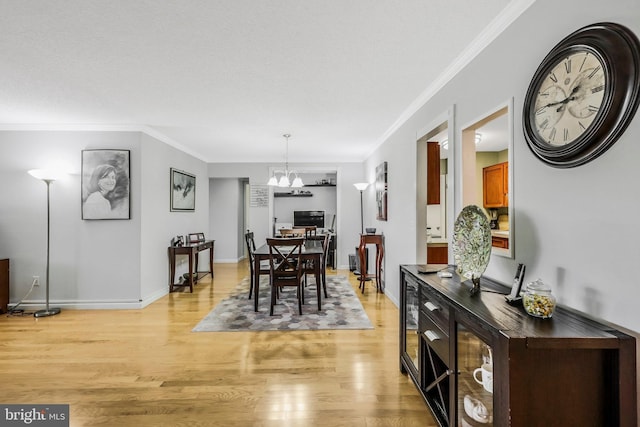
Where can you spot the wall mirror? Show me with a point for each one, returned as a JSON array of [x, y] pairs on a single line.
[[435, 191], [487, 173]]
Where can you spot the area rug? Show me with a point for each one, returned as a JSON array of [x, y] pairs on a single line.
[[341, 310]]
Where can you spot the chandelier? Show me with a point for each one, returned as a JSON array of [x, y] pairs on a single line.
[[284, 179]]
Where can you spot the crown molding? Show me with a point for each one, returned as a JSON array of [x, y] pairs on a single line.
[[69, 127]]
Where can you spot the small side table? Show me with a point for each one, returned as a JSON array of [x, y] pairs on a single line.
[[378, 240], [191, 250]]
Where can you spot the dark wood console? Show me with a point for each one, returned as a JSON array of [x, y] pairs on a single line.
[[191, 250], [378, 241], [4, 285], [564, 371]]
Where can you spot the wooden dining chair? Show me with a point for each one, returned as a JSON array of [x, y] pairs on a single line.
[[325, 253], [285, 268], [264, 265], [309, 230], [309, 266], [292, 232]]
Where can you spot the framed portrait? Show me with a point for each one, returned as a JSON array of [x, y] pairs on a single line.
[[105, 184], [183, 191], [381, 191]]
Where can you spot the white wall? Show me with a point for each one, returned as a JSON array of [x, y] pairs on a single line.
[[94, 264], [574, 228], [225, 200], [158, 223]]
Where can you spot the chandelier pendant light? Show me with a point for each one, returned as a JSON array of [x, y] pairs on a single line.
[[285, 175]]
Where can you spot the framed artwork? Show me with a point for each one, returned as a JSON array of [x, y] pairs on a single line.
[[381, 191], [183, 191], [105, 184], [195, 238]]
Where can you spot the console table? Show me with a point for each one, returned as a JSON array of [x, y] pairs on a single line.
[[191, 250], [568, 370], [378, 241]]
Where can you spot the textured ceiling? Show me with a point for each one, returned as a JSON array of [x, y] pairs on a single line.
[[225, 79]]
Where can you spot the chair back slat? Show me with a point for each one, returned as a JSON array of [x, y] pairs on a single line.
[[285, 265], [251, 245], [284, 255]]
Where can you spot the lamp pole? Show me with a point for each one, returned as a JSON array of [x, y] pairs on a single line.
[[48, 177], [361, 186], [47, 311], [361, 213]]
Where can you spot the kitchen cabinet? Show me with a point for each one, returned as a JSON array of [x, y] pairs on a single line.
[[500, 242], [478, 361], [495, 185], [433, 173], [437, 253]]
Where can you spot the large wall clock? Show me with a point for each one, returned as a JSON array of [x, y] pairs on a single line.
[[583, 95]]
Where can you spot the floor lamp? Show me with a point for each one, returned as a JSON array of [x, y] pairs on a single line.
[[48, 177], [361, 186]]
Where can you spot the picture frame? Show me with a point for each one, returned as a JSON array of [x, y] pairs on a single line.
[[182, 191], [381, 191], [105, 184], [195, 238]]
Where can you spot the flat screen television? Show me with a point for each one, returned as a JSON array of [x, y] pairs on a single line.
[[304, 218]]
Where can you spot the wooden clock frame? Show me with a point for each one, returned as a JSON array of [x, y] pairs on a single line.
[[618, 49]]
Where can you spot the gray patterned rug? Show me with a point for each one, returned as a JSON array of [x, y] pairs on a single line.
[[342, 310]]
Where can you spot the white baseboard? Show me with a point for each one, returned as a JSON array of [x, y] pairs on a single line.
[[230, 260], [81, 305]]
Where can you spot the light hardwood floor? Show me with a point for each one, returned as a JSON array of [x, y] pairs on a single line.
[[146, 368]]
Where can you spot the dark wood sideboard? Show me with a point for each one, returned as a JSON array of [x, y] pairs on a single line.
[[4, 285], [568, 370]]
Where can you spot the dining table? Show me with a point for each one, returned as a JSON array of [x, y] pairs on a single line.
[[311, 251]]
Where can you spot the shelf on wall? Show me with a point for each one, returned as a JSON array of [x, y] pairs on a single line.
[[292, 195], [319, 185]]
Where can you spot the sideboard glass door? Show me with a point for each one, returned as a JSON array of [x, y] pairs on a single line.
[[411, 323], [475, 379]]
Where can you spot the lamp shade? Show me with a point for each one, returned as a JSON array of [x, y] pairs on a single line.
[[47, 174], [284, 181], [361, 186], [297, 182]]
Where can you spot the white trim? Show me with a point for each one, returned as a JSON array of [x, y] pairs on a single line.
[[510, 13], [84, 305], [154, 297], [229, 260], [102, 128]]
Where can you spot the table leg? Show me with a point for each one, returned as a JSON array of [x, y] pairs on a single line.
[[211, 260], [379, 254], [363, 264], [318, 282], [197, 256], [256, 281], [191, 271], [172, 269]]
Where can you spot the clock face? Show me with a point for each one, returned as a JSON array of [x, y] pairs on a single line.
[[569, 98], [583, 95]]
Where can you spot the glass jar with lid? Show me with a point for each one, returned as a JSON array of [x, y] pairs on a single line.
[[538, 300]]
